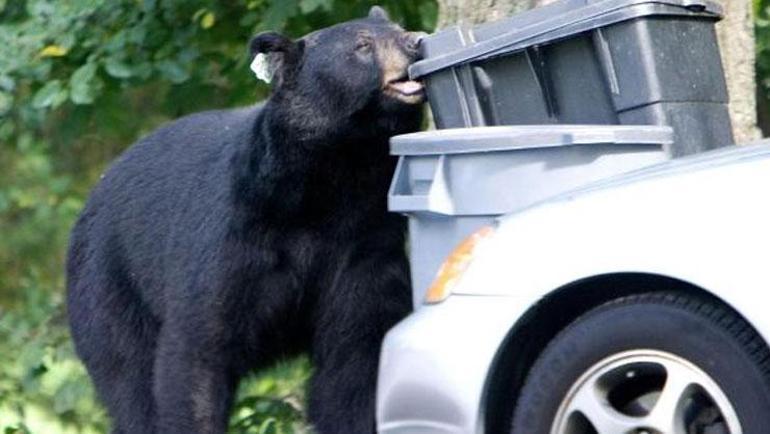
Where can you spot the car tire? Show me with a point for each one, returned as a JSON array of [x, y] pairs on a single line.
[[650, 363]]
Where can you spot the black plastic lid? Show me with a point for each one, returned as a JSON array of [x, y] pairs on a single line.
[[458, 45]]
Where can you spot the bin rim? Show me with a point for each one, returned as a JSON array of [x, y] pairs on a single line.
[[592, 15], [513, 138]]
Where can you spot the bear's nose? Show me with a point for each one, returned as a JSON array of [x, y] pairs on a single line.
[[413, 44], [418, 36]]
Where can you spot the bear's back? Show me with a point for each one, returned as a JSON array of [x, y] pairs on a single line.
[[165, 193]]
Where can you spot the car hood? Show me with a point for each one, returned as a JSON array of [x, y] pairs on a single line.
[[715, 161]]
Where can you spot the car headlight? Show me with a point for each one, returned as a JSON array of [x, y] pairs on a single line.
[[455, 265]]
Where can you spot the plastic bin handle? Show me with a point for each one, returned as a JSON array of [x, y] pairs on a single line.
[[437, 200]]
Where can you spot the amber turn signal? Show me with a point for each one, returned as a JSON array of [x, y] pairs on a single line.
[[455, 265]]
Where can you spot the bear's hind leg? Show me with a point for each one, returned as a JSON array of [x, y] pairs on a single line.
[[115, 337], [194, 380], [128, 396]]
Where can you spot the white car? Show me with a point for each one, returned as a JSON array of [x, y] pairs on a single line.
[[639, 305]]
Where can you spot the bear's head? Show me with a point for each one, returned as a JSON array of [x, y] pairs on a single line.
[[352, 75]]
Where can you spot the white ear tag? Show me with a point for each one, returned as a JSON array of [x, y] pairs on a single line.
[[261, 68]]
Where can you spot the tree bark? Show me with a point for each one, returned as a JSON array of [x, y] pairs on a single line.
[[735, 34], [477, 11], [736, 40]]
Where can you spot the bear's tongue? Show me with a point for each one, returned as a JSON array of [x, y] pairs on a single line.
[[410, 87]]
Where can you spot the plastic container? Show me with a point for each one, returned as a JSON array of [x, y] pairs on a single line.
[[451, 182], [631, 62]]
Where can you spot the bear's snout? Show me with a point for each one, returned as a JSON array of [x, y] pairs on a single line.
[[395, 57]]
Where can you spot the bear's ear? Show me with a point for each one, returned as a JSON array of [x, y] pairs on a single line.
[[269, 42], [283, 54], [379, 13]]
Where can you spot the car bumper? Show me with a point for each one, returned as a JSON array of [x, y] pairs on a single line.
[[434, 365]]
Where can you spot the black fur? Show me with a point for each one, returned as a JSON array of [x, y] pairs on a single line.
[[230, 239]]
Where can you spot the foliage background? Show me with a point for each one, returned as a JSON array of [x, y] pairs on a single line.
[[80, 80]]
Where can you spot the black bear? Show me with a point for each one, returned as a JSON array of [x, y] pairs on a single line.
[[230, 239]]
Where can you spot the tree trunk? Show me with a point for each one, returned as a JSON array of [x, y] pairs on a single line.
[[477, 11], [735, 34], [736, 39]]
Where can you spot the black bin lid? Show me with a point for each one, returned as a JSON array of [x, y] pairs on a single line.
[[458, 45]]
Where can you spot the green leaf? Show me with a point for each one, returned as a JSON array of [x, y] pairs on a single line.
[[142, 70], [7, 83], [50, 95], [54, 51], [278, 14], [6, 103], [308, 6], [84, 87], [136, 35], [7, 129], [116, 68], [173, 71], [18, 429], [269, 426], [208, 20], [148, 5], [66, 397], [429, 15]]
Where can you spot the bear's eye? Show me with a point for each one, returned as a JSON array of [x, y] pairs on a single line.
[[364, 44]]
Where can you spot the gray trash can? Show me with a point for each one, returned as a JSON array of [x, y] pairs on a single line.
[[632, 62], [451, 182]]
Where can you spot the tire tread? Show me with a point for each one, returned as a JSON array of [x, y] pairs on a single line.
[[711, 309]]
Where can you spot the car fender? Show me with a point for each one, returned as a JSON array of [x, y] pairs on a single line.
[[710, 228]]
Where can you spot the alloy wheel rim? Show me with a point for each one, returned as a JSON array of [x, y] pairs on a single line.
[[645, 392]]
